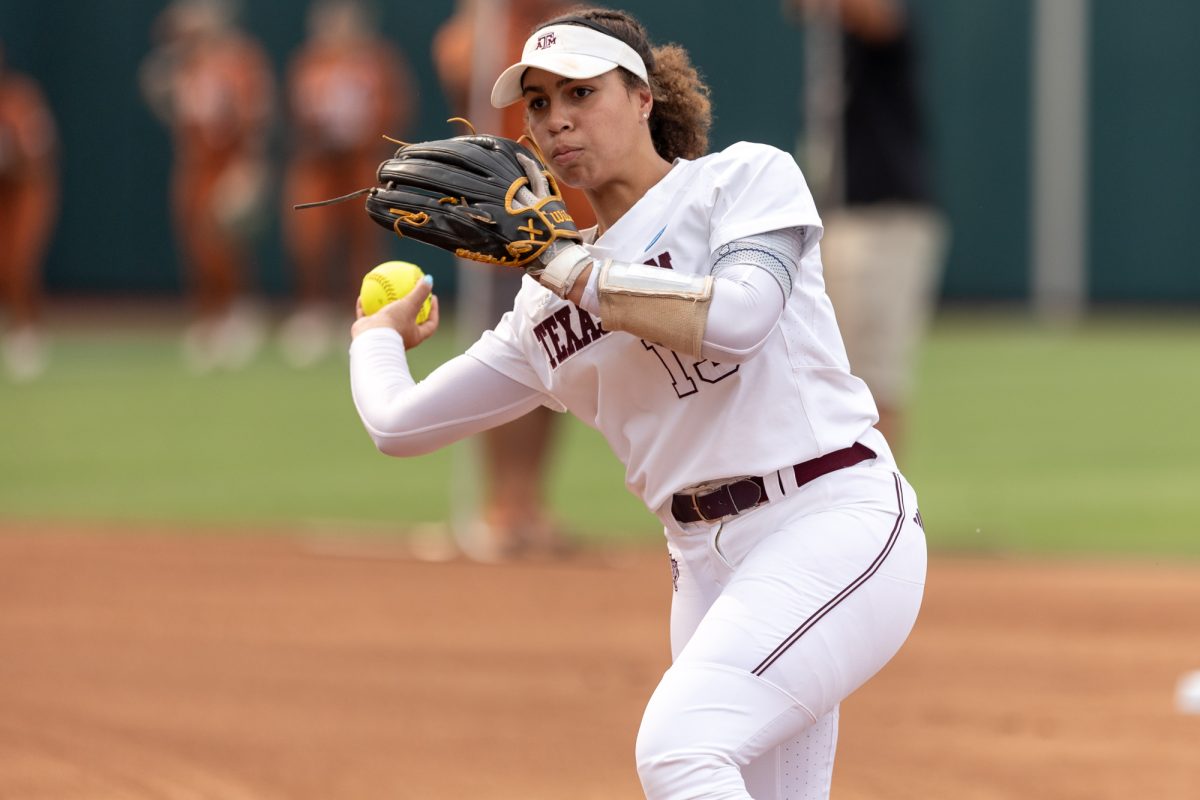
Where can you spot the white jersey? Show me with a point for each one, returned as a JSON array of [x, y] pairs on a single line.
[[675, 421]]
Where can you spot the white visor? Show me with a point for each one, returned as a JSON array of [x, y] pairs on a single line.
[[572, 51]]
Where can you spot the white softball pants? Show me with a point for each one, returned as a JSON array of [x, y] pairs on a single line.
[[778, 615]]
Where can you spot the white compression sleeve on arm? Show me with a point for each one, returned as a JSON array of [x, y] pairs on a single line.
[[746, 306], [405, 418]]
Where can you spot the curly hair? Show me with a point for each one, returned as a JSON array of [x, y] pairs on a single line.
[[682, 112]]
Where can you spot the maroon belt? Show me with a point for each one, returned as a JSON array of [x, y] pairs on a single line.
[[747, 493]]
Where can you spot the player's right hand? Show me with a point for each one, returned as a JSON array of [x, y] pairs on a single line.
[[401, 316]]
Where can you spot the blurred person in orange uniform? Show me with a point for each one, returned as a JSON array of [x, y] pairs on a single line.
[[514, 520], [211, 83], [885, 238], [346, 87], [29, 203]]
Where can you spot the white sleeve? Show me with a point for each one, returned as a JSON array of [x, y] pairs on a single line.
[[746, 306], [404, 418]]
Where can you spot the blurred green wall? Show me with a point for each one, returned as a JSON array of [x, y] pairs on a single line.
[[114, 234], [1145, 156]]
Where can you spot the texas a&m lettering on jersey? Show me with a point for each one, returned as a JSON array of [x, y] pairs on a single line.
[[570, 329], [567, 331]]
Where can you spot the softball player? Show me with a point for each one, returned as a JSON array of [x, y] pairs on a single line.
[[29, 196], [694, 333]]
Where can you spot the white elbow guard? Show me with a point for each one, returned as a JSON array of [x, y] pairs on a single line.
[[666, 307]]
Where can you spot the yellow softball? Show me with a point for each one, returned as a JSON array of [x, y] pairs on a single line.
[[387, 283]]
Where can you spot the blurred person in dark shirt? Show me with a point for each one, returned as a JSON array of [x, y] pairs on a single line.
[[885, 239]]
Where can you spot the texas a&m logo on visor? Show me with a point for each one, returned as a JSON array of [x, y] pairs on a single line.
[[544, 41]]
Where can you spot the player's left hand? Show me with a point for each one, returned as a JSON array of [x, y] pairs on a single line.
[[401, 316]]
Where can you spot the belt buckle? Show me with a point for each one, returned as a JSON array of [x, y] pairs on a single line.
[[708, 489], [693, 493]]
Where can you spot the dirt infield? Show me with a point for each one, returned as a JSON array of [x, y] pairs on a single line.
[[288, 668]]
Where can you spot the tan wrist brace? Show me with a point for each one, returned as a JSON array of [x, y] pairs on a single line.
[[666, 307]]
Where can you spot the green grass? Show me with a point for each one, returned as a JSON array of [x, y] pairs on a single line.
[[1028, 439], [1023, 439], [117, 430]]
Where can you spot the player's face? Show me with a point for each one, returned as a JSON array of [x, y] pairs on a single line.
[[588, 129]]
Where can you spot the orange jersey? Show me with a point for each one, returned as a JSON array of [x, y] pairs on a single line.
[[221, 97], [342, 100], [28, 138]]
